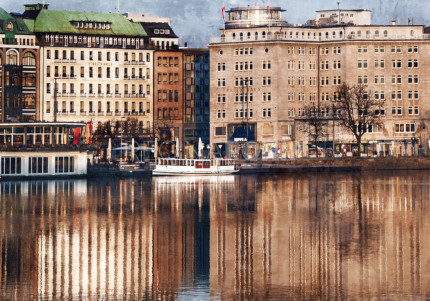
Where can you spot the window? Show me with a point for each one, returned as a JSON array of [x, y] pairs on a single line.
[[29, 59], [38, 165], [413, 95], [267, 81], [379, 79], [396, 63], [379, 49], [396, 95], [221, 98], [220, 131], [267, 65], [396, 79], [412, 49], [414, 111], [64, 165], [405, 127], [379, 95], [362, 49], [12, 57], [362, 64], [221, 82], [396, 111], [413, 63], [413, 79], [379, 64], [10, 166]]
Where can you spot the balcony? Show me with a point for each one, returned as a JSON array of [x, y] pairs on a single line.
[[117, 95], [100, 95], [91, 95], [109, 95], [82, 94]]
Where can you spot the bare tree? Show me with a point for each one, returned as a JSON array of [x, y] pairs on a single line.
[[315, 121], [357, 110]]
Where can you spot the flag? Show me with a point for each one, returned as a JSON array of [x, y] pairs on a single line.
[[268, 6], [88, 132], [76, 135], [223, 12]]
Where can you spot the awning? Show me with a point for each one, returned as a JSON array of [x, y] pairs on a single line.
[[240, 132]]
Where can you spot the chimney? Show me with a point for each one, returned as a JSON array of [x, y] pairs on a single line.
[[185, 44], [393, 22]]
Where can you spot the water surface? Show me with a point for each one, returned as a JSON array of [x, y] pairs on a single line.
[[311, 236]]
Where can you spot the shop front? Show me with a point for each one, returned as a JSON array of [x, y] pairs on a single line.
[[241, 142]]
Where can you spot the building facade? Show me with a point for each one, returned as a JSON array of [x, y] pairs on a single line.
[[19, 71], [279, 69], [196, 102], [95, 66]]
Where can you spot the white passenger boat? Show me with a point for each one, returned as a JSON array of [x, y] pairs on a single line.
[[171, 167]]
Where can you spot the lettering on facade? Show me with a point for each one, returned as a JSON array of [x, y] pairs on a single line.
[[100, 64], [239, 90]]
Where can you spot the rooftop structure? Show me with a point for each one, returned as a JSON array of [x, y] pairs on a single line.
[[343, 16], [254, 16]]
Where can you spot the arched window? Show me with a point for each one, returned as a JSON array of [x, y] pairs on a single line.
[[12, 57], [241, 36], [385, 33], [340, 34], [377, 34], [297, 35], [359, 34], [334, 34], [326, 35], [256, 36], [263, 35], [29, 59], [249, 36], [234, 36], [367, 33], [412, 33]]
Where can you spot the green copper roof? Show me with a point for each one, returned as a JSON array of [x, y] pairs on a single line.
[[18, 25], [59, 21]]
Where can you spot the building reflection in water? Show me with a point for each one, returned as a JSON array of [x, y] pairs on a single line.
[[325, 236]]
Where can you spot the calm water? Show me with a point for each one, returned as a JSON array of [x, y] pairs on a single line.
[[314, 236]]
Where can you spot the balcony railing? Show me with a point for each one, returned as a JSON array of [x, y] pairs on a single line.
[[323, 37]]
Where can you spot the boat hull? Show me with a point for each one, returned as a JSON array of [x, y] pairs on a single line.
[[192, 173]]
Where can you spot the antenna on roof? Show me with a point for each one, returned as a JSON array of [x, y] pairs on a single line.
[[338, 3], [117, 7]]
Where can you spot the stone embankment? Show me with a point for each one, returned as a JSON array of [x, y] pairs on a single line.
[[336, 164]]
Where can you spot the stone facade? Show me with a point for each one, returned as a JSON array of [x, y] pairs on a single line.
[[290, 67]]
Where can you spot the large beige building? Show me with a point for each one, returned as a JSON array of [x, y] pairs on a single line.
[[287, 67], [98, 63]]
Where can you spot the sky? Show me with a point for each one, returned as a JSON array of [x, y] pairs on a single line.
[[196, 21]]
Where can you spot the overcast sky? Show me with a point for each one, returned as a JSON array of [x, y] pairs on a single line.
[[195, 21]]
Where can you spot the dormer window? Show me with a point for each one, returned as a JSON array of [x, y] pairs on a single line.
[[90, 25], [156, 31], [167, 31], [108, 26], [161, 31], [9, 26]]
